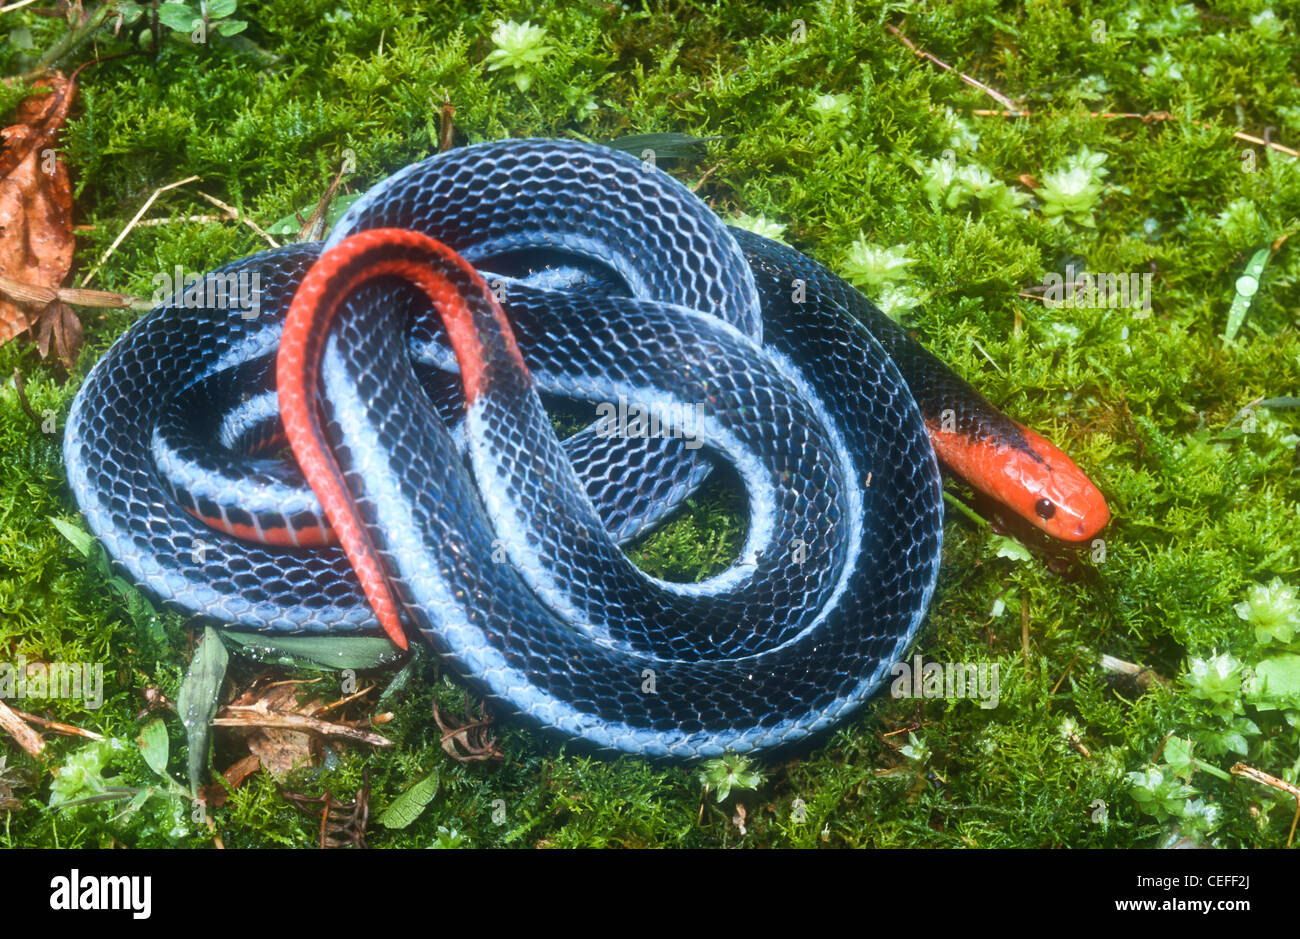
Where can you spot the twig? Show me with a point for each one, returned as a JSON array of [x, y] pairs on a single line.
[[38, 295], [16, 6], [314, 228], [472, 735], [259, 715], [154, 222], [17, 728], [1143, 676], [216, 835], [1259, 776], [66, 729], [346, 700], [974, 83], [447, 130], [131, 224], [699, 183], [343, 830], [234, 215], [1150, 118], [20, 386], [1024, 629]]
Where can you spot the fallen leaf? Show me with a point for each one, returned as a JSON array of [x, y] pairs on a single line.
[[238, 772], [59, 323], [408, 806], [36, 240], [278, 750]]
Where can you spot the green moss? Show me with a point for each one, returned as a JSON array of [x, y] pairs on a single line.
[[1148, 406]]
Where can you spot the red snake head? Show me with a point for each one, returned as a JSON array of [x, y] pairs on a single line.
[[1038, 481]]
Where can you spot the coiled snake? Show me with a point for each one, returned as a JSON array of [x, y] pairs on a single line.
[[408, 385]]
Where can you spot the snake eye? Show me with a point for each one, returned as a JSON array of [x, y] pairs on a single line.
[[1044, 508]]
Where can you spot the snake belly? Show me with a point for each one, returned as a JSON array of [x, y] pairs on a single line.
[[501, 542]]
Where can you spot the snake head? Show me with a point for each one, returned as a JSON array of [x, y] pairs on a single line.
[[1031, 476], [1052, 492]]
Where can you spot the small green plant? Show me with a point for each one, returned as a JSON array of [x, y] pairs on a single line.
[[949, 186], [1274, 610], [760, 225], [880, 270], [833, 109], [448, 838], [520, 47], [1073, 191], [197, 20], [727, 773]]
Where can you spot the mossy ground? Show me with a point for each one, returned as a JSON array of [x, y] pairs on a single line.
[[1142, 403]]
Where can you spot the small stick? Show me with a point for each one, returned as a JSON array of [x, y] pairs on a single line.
[[43, 296], [259, 715], [1063, 674], [1024, 629], [66, 729], [699, 184], [234, 215], [1077, 743], [131, 224], [314, 228], [1141, 674], [1150, 118], [447, 130], [1259, 776], [974, 83], [346, 700], [154, 222], [17, 728], [216, 835], [20, 386]]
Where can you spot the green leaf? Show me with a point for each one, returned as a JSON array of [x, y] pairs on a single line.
[[408, 806], [1246, 287], [83, 541], [217, 9], [403, 678], [231, 27], [1010, 548], [1178, 755], [198, 699], [319, 652], [153, 746], [129, 11], [179, 17], [1276, 683], [289, 225]]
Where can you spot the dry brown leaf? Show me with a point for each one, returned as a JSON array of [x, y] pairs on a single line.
[[36, 239], [238, 772], [59, 330], [281, 751], [282, 734]]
